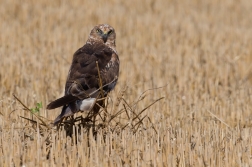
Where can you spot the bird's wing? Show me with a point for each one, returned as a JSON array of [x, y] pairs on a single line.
[[83, 78]]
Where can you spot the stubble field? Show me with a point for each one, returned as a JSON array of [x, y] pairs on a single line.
[[196, 54]]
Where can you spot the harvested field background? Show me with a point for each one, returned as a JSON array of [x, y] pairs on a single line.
[[199, 52]]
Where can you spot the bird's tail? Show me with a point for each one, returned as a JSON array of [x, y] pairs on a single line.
[[66, 111], [61, 102]]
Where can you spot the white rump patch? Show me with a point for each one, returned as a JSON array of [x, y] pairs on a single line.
[[87, 104]]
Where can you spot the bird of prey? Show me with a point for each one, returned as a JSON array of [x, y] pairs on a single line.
[[84, 83]]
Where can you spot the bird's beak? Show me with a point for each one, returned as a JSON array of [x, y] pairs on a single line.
[[105, 37]]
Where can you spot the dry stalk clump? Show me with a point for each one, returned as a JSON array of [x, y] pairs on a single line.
[[127, 117]]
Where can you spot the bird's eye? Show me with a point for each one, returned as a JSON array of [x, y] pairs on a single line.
[[110, 31], [99, 31]]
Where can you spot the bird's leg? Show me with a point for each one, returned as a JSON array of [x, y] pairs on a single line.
[[96, 110]]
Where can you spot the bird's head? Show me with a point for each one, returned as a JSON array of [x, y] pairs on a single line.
[[103, 33]]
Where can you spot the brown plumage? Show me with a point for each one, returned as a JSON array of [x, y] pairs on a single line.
[[82, 85]]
